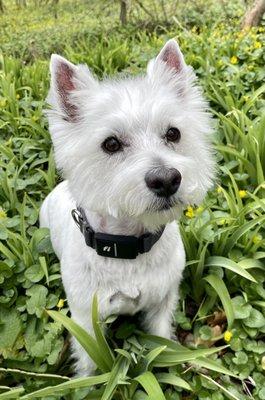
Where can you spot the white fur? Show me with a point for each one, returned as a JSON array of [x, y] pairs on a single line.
[[113, 192]]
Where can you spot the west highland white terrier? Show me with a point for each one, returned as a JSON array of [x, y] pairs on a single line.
[[133, 152]]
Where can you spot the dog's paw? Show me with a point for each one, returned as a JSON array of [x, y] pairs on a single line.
[[125, 302]]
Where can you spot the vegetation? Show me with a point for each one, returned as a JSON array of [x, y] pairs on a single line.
[[221, 315]]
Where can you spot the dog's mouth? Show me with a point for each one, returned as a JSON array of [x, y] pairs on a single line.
[[165, 204]]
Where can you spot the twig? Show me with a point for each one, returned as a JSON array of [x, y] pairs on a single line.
[[19, 371]]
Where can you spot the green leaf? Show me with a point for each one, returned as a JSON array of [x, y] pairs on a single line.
[[170, 357], [212, 365], [34, 273], [240, 358], [151, 386], [228, 264], [118, 374], [12, 394], [73, 384], [241, 308], [102, 343], [255, 319], [151, 356], [151, 341], [44, 267], [205, 332], [87, 341], [241, 231], [249, 263], [37, 301], [171, 379], [223, 293], [5, 271], [10, 327]]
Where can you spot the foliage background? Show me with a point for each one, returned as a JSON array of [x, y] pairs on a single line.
[[222, 294]]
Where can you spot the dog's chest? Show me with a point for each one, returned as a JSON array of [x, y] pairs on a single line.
[[123, 286], [132, 285]]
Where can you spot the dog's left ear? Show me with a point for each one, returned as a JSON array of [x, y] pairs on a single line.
[[171, 57]]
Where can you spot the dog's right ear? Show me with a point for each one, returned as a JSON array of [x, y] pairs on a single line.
[[169, 59], [67, 80]]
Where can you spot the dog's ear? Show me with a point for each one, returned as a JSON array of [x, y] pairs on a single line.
[[172, 56], [169, 56], [66, 80]]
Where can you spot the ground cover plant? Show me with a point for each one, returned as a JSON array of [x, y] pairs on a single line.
[[221, 315]]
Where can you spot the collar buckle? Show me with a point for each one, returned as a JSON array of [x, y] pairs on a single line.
[[83, 225]]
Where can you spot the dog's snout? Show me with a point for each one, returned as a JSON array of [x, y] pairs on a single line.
[[164, 182]]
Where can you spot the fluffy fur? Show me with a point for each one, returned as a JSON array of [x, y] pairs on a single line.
[[112, 188]]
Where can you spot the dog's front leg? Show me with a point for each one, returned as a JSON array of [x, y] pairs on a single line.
[[158, 319]]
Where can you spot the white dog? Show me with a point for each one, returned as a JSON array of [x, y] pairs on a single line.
[[132, 152]]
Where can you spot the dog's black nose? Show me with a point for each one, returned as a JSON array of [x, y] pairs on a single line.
[[163, 181]]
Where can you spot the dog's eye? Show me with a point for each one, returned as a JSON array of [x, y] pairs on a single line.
[[111, 145], [173, 135]]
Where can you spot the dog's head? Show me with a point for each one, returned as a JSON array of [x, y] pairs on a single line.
[[136, 147]]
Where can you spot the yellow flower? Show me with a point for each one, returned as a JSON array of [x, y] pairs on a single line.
[[60, 303], [257, 45], [234, 60], [242, 193], [256, 239], [228, 336], [17, 96], [222, 221], [2, 214], [3, 103], [190, 212], [219, 189]]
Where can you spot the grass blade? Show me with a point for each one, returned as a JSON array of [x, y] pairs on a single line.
[[213, 366], [218, 261], [241, 231], [170, 358], [118, 373], [73, 384], [151, 386], [151, 356], [102, 343], [171, 379], [86, 340], [12, 394], [223, 293]]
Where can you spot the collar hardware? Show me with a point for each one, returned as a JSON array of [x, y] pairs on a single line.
[[114, 246]]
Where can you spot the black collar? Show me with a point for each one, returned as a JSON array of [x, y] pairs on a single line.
[[115, 246]]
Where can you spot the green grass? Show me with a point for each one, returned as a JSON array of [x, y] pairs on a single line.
[[222, 294]]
